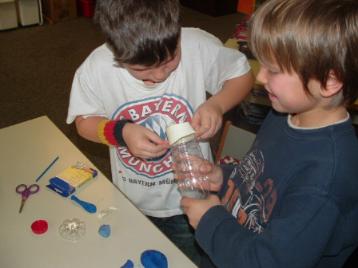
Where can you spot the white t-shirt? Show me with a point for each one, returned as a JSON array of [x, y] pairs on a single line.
[[101, 88]]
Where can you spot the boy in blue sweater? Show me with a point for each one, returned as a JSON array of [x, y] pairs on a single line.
[[292, 201]]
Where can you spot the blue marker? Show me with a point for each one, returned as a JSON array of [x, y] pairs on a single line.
[[49, 166]]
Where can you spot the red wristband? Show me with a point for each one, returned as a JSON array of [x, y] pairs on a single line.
[[108, 132], [111, 132]]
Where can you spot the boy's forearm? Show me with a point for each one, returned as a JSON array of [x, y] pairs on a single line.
[[87, 127], [233, 92]]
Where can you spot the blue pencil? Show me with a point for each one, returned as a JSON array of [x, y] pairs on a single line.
[[49, 166]]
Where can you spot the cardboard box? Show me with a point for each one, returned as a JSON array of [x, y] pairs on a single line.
[[28, 12], [8, 16], [56, 10]]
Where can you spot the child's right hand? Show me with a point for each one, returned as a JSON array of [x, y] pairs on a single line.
[[205, 168], [196, 208], [142, 142]]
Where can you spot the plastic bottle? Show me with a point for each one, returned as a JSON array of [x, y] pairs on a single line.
[[187, 156]]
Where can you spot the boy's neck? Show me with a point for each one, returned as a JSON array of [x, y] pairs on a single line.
[[319, 118]]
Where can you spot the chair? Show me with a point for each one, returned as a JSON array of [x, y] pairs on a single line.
[[234, 142]]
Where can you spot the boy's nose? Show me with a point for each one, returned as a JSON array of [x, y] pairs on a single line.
[[159, 74], [262, 75]]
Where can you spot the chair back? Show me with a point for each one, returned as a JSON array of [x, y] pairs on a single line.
[[234, 142]]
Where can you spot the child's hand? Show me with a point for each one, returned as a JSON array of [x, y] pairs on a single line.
[[207, 120], [196, 208], [205, 168], [142, 142]]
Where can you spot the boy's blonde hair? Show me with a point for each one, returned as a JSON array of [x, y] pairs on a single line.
[[310, 37]]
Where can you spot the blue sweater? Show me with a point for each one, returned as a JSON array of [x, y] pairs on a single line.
[[291, 202]]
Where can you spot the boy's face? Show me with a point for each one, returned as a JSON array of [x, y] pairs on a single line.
[[286, 90], [157, 73]]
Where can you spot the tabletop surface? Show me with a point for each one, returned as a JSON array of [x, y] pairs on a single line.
[[26, 150]]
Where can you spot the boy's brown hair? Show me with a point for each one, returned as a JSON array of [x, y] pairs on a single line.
[[310, 37], [144, 32]]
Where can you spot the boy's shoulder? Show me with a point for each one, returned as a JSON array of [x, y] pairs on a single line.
[[101, 52], [99, 58], [198, 36]]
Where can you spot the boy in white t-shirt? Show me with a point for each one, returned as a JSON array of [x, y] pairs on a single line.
[[152, 73]]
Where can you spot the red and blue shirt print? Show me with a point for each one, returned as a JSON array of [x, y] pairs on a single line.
[[156, 114]]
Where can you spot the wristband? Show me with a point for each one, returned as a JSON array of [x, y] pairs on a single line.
[[110, 132], [100, 131], [118, 131]]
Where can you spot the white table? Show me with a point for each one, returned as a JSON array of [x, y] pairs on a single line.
[[26, 149]]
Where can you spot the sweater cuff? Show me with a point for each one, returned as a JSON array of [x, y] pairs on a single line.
[[227, 171], [208, 225]]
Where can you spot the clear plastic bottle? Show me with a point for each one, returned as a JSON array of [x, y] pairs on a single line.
[[187, 156]]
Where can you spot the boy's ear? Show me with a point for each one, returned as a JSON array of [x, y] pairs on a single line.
[[333, 85]]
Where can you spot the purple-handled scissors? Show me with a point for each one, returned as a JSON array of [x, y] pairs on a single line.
[[25, 192]]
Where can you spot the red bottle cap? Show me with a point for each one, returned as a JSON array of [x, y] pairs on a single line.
[[39, 226]]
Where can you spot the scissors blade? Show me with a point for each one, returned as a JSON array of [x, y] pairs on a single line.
[[22, 205]]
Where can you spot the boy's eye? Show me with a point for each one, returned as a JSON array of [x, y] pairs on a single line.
[[271, 69], [274, 71]]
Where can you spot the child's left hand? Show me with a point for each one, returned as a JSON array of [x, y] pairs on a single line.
[[207, 120], [196, 208]]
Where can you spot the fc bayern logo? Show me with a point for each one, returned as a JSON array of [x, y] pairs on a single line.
[[155, 114]]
